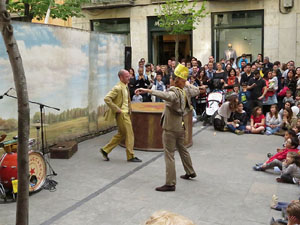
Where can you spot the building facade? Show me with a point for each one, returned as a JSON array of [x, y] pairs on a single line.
[[270, 27]]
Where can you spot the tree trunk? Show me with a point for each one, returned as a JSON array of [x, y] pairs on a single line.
[[23, 115], [176, 47]]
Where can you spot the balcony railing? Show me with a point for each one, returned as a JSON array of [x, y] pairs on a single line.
[[106, 4]]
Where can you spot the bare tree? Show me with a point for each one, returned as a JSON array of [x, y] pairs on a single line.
[[23, 114]]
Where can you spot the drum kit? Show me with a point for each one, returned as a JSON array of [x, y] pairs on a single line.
[[9, 169], [37, 161]]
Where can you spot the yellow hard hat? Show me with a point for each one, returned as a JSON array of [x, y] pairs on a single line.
[[181, 71]]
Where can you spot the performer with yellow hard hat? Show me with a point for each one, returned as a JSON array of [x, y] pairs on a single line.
[[178, 103]]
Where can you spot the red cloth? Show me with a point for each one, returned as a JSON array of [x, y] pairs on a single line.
[[269, 93], [281, 155], [258, 119], [230, 82], [283, 91]]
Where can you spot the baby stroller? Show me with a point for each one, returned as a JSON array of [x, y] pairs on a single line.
[[213, 103]]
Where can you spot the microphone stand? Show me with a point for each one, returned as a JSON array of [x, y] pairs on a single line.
[[42, 106]]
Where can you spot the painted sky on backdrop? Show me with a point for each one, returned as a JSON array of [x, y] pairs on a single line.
[[56, 64]]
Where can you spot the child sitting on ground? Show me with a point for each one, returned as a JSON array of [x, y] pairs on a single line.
[[293, 211], [238, 120], [257, 121], [273, 120], [276, 160], [290, 169]]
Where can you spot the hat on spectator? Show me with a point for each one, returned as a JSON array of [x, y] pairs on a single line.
[[181, 71]]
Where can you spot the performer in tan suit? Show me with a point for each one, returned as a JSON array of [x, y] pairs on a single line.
[[118, 101], [178, 103]]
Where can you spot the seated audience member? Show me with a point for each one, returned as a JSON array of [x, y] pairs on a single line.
[[257, 121], [290, 169], [238, 120], [167, 218], [276, 160], [287, 119], [273, 120], [220, 118], [285, 106], [293, 212], [159, 85]]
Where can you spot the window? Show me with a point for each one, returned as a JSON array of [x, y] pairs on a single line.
[[242, 29]]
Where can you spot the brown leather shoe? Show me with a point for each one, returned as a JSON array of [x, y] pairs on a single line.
[[166, 188], [188, 176]]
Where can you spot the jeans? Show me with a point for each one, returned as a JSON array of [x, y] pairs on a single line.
[[270, 130], [274, 163], [232, 128]]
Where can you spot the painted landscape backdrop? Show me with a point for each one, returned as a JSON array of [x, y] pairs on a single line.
[[65, 68]]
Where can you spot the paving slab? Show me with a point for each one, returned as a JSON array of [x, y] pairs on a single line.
[[226, 191]]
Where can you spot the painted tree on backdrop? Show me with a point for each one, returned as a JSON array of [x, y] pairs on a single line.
[[179, 17], [23, 114], [30, 9]]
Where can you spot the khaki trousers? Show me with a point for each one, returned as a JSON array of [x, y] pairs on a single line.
[[172, 139], [124, 132]]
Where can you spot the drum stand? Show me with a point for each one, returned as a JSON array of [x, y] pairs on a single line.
[[42, 106]]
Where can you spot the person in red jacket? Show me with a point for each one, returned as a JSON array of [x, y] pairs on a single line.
[[276, 160]]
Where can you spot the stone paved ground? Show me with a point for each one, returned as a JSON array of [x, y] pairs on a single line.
[[227, 191]]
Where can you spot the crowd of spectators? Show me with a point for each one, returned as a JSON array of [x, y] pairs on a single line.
[[267, 102]]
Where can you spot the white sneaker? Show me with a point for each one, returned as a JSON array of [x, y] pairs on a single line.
[[274, 201]]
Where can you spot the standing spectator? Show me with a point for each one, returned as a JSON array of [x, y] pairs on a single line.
[[137, 98], [132, 81], [165, 75], [290, 66], [243, 59], [288, 97], [267, 64], [227, 69], [290, 81], [194, 72], [259, 58], [244, 97], [219, 78], [149, 73], [272, 86], [210, 71], [211, 59], [247, 74], [142, 82], [172, 68], [231, 80], [276, 69], [257, 87], [159, 86]]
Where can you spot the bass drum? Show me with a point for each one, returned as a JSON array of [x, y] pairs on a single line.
[[9, 170]]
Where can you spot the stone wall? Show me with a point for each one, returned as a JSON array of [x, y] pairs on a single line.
[[281, 31]]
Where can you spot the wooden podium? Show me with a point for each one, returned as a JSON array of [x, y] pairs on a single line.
[[147, 130]]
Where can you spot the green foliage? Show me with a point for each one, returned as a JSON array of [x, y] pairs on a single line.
[[178, 16], [38, 8]]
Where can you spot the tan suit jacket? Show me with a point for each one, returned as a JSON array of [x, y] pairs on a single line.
[[114, 100], [176, 106]]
